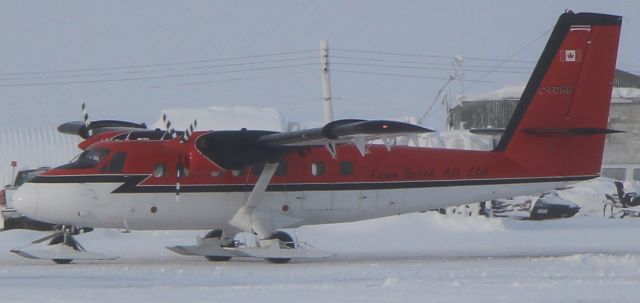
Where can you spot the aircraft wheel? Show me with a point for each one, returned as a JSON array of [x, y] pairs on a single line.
[[285, 242], [69, 242], [216, 234]]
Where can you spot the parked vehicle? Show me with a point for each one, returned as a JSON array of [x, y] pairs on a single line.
[[546, 206], [552, 206], [11, 218], [622, 201]]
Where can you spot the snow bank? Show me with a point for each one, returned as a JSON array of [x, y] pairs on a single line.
[[625, 93]]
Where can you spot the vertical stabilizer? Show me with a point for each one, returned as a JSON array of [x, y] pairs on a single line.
[[560, 124]]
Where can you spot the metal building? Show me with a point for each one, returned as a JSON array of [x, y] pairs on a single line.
[[622, 156], [496, 112]]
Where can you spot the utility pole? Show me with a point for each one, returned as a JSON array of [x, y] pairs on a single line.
[[458, 73], [326, 84]]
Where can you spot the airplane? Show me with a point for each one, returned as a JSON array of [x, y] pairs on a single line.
[[256, 181]]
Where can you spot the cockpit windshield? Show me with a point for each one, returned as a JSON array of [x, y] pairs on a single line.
[[89, 158]]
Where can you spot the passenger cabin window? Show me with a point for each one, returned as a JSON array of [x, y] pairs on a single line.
[[116, 164], [317, 168], [238, 172], [346, 168], [160, 170], [89, 158], [217, 174]]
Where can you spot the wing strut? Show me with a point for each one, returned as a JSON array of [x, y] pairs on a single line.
[[260, 219]]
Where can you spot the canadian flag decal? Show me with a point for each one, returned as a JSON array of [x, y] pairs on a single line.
[[570, 55]]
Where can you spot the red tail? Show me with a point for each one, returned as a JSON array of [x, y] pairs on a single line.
[[560, 124]]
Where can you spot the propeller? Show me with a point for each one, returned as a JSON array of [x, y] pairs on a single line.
[[189, 131], [168, 126], [85, 118], [186, 135]]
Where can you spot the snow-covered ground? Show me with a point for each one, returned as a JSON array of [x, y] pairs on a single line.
[[423, 257]]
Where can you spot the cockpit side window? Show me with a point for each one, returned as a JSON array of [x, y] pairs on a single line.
[[90, 158], [116, 164]]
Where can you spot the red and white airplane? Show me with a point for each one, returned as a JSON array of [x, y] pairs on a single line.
[[262, 181]]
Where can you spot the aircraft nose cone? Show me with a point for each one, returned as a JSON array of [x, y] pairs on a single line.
[[25, 199]]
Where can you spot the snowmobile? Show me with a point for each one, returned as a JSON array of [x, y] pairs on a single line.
[[622, 201], [547, 206]]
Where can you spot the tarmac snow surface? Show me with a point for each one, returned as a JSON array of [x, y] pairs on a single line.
[[422, 257]]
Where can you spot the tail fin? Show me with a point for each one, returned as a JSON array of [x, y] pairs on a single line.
[[560, 123]]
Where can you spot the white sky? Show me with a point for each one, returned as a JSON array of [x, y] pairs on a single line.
[[42, 36]]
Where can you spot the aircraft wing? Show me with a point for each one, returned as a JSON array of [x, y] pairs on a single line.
[[343, 131], [240, 148]]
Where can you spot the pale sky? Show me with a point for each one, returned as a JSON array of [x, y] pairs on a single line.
[[130, 59]]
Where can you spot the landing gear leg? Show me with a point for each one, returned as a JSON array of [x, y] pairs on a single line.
[[285, 242], [65, 237], [226, 240]]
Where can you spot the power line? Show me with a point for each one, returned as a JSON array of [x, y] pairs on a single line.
[[174, 76], [271, 76], [510, 58], [424, 68], [218, 66], [404, 75], [425, 55], [428, 63], [160, 64]]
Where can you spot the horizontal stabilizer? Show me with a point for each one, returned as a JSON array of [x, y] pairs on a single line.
[[487, 131]]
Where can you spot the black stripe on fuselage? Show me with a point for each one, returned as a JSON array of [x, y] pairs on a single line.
[[131, 184]]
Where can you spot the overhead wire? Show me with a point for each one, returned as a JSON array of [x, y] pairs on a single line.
[[510, 59], [171, 76], [366, 62], [156, 71], [423, 55], [528, 67], [423, 67], [50, 76], [161, 64]]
